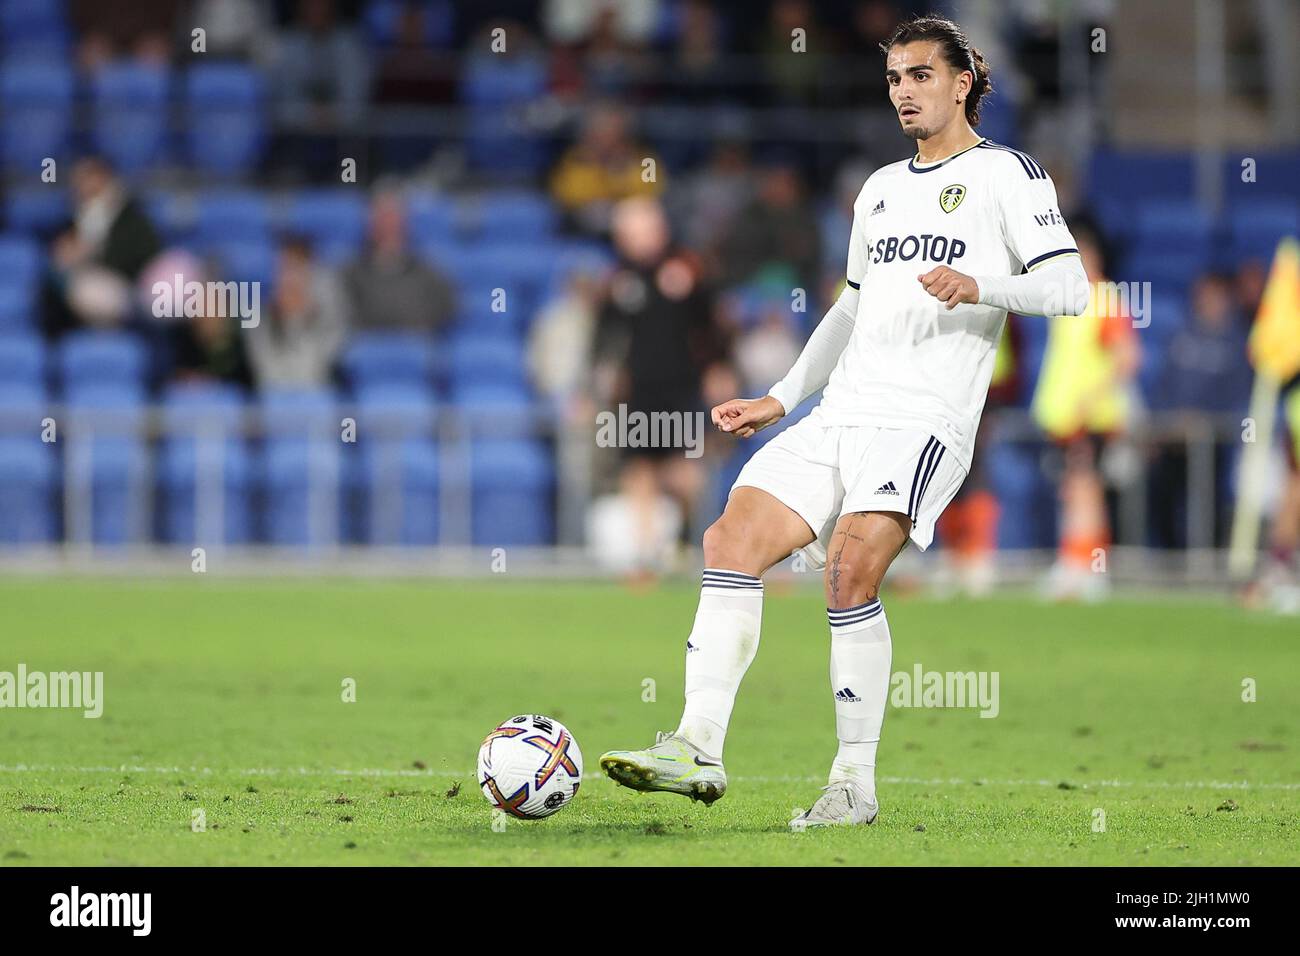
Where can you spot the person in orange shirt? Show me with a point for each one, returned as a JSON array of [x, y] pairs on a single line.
[[1083, 399]]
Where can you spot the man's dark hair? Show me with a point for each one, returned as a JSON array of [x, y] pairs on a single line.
[[957, 51]]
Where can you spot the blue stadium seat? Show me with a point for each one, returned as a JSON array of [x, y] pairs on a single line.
[[333, 220], [20, 259], [229, 214], [497, 90], [130, 113], [1137, 176], [486, 360], [20, 273], [22, 360], [1170, 272], [172, 214], [430, 218], [511, 215], [1256, 226], [101, 358], [383, 17], [246, 260], [28, 468], [1178, 225], [225, 107], [301, 466], [39, 211], [389, 357], [1275, 175], [512, 485], [108, 455], [204, 460], [37, 118], [398, 471]]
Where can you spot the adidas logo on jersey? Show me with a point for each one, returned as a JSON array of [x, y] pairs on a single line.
[[880, 207], [846, 696], [690, 647], [887, 489]]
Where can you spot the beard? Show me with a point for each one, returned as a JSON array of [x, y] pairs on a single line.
[[916, 132]]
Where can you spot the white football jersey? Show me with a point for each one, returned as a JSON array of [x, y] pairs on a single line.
[[910, 363]]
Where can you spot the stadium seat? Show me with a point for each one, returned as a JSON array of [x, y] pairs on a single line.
[[39, 211], [20, 259], [20, 273], [131, 113], [1137, 176], [229, 214], [28, 468], [1256, 226], [398, 470], [107, 454], [497, 90], [36, 121], [101, 358], [246, 260], [486, 360], [301, 462], [225, 107], [1180, 225], [512, 484], [430, 218], [203, 440], [383, 18], [22, 360], [389, 357], [510, 215], [1273, 177], [333, 220], [174, 215]]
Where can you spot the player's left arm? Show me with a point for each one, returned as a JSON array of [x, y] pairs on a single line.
[[1053, 283]]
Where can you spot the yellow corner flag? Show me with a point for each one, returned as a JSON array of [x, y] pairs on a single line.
[[1275, 352], [1275, 337]]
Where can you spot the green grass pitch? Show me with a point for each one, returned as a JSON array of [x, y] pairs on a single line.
[[226, 697]]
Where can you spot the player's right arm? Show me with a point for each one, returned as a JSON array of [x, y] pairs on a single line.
[[810, 372]]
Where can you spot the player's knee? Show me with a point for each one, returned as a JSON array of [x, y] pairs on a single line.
[[724, 546], [849, 583]]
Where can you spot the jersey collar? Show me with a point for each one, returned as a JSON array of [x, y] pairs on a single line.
[[911, 163]]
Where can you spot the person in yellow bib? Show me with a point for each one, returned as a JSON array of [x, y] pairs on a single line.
[[1081, 401]]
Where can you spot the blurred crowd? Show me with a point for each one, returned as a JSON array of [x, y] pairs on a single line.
[[721, 251]]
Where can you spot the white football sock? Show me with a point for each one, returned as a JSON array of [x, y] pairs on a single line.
[[860, 659], [721, 647]]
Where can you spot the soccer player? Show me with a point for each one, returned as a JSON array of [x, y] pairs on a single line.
[[943, 246]]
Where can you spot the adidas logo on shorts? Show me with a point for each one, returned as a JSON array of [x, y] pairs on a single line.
[[887, 489], [846, 696]]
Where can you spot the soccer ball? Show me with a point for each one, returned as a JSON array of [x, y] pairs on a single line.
[[530, 766]]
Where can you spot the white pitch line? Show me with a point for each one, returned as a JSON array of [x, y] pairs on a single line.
[[412, 772]]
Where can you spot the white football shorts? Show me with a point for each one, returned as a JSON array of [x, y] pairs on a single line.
[[822, 472]]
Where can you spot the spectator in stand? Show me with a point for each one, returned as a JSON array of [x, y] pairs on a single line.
[[298, 339], [1083, 400], [1205, 371], [655, 338], [96, 260], [704, 203], [322, 86], [209, 348], [389, 288], [602, 167], [779, 228], [144, 29], [1206, 365]]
